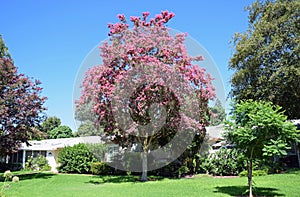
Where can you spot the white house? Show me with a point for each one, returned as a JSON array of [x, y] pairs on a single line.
[[49, 148]]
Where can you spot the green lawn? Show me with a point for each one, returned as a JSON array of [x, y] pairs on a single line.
[[46, 184]]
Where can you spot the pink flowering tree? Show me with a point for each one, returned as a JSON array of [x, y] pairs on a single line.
[[148, 88], [21, 107]]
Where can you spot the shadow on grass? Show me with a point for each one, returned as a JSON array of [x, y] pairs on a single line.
[[33, 175], [120, 179], [243, 191]]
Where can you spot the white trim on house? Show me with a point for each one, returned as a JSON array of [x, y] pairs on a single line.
[[51, 147]]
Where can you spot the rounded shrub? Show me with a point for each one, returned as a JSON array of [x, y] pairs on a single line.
[[75, 159]]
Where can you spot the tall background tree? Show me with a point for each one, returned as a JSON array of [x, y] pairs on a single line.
[[61, 131], [218, 114], [266, 58], [52, 128], [21, 105], [146, 48], [87, 127], [260, 130], [50, 123]]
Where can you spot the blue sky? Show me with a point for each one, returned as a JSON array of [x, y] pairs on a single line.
[[49, 39]]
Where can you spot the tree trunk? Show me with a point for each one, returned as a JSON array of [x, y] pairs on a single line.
[[145, 167], [250, 177]]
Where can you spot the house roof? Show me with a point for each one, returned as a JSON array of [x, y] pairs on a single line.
[[53, 144], [215, 132]]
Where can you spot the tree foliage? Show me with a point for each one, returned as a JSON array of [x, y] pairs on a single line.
[[217, 114], [88, 128], [50, 123], [266, 57], [4, 53], [146, 47], [21, 106], [260, 130], [61, 131]]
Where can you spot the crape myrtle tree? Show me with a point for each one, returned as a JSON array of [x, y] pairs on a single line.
[[266, 60], [261, 130], [21, 105], [153, 105]]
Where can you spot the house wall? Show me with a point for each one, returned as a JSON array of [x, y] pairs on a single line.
[[51, 158]]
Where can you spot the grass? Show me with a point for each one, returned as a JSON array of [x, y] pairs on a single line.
[[47, 184]]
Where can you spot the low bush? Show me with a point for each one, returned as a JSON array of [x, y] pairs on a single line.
[[254, 173], [224, 162], [39, 163], [100, 168], [75, 159]]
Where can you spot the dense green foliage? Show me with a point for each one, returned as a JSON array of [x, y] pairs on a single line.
[[49, 124], [266, 60], [61, 132], [101, 168], [224, 162], [75, 159], [4, 53], [38, 163], [260, 130], [217, 114], [88, 128]]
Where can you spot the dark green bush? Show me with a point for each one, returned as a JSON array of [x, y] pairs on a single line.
[[224, 162], [100, 168], [10, 166], [75, 159]]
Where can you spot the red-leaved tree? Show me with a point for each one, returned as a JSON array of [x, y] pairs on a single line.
[[148, 89], [21, 107]]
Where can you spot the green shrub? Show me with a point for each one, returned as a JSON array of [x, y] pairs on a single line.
[[39, 163], [182, 171], [254, 173], [10, 166], [224, 162], [75, 159], [100, 168]]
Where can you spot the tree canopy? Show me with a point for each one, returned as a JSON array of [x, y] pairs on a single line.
[[88, 128], [61, 131], [266, 60], [140, 93], [218, 114], [49, 124], [21, 105], [260, 130]]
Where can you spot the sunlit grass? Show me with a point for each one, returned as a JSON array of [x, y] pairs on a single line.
[[47, 184]]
